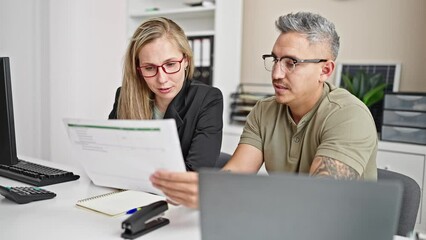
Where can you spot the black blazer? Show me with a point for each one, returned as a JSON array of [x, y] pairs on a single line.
[[198, 111]]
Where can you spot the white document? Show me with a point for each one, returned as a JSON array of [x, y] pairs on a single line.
[[124, 153]]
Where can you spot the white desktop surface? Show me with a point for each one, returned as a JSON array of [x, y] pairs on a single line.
[[59, 218]]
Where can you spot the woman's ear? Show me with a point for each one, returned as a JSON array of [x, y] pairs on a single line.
[[327, 70], [186, 63]]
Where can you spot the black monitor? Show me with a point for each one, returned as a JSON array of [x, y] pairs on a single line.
[[10, 166], [8, 155]]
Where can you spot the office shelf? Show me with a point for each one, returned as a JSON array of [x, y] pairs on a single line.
[[187, 12], [244, 99], [195, 21], [404, 118], [200, 33]]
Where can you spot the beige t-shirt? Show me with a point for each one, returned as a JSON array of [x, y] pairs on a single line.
[[339, 126]]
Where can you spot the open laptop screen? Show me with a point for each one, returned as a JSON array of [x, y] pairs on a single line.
[[237, 206]]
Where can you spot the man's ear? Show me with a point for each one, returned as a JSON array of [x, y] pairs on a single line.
[[327, 70]]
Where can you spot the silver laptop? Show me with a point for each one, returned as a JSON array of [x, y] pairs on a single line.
[[253, 207]]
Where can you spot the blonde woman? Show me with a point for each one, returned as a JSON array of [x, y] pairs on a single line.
[[157, 84]]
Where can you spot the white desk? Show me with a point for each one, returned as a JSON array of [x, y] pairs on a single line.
[[58, 218]]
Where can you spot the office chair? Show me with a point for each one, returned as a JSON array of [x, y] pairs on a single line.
[[222, 160], [410, 200]]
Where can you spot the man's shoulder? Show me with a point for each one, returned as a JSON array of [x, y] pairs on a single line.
[[343, 105], [341, 98]]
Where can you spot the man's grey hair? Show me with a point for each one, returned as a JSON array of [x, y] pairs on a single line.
[[316, 28]]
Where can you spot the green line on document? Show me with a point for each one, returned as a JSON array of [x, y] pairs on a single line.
[[114, 128]]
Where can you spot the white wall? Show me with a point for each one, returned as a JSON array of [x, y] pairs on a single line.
[[227, 58], [370, 31], [87, 42], [66, 61], [21, 41]]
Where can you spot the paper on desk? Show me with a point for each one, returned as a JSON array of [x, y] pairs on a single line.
[[124, 153]]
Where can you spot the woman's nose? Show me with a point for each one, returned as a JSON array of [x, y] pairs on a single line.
[[162, 76]]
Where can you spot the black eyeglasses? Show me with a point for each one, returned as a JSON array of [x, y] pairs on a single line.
[[287, 64], [170, 67]]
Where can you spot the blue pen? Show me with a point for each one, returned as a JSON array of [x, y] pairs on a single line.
[[131, 211]]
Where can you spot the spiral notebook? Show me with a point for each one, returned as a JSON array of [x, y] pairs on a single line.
[[119, 202]]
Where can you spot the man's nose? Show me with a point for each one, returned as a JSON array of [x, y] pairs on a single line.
[[277, 72]]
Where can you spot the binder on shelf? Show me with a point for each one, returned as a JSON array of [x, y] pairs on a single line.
[[205, 52], [206, 61], [202, 47], [196, 44]]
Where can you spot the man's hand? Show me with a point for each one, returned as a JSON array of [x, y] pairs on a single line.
[[179, 187]]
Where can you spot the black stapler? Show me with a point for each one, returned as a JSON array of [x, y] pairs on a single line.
[[139, 223]]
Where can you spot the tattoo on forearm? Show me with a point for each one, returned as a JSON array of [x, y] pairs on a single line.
[[333, 168]]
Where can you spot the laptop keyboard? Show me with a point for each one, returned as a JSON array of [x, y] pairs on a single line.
[[36, 174]]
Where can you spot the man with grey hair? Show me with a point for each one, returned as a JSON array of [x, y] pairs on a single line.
[[308, 127]]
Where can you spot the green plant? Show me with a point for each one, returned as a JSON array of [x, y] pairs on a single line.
[[369, 88]]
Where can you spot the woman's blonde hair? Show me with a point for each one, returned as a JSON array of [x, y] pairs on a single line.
[[136, 99]]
